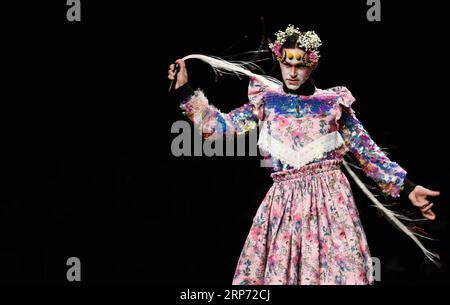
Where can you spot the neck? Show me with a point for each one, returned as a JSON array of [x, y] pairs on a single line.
[[307, 88]]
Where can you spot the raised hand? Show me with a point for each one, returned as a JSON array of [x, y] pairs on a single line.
[[182, 76]]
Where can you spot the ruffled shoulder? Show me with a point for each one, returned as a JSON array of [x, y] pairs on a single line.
[[344, 96], [256, 92]]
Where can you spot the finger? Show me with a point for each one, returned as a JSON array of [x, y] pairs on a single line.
[[426, 208], [432, 193], [181, 63], [429, 215], [172, 66]]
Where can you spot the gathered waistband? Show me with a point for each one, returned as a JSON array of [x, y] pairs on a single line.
[[309, 169]]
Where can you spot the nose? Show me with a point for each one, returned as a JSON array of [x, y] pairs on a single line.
[[293, 72]]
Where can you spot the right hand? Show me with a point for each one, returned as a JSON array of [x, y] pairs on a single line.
[[182, 77]]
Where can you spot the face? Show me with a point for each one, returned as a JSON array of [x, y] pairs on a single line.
[[293, 70]]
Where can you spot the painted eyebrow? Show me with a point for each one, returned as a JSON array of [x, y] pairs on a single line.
[[300, 64]]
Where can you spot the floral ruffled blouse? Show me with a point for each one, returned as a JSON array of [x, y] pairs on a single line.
[[296, 130]]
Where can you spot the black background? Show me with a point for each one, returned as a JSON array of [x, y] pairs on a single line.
[[87, 169]]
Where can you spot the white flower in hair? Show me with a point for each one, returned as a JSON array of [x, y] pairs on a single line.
[[309, 41]]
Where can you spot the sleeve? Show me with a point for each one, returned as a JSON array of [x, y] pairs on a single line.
[[212, 123], [389, 176], [408, 187], [184, 92]]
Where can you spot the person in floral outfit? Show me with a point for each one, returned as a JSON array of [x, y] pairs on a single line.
[[307, 229]]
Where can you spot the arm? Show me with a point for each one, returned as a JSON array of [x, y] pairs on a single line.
[[212, 122], [206, 117], [389, 176]]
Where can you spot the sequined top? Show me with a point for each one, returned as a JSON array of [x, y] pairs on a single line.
[[296, 130]]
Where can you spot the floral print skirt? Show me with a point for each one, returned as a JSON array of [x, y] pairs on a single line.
[[307, 231]]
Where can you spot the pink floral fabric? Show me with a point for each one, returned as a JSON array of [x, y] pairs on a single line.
[[306, 231]]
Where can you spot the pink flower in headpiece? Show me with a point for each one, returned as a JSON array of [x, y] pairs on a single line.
[[277, 49], [313, 57]]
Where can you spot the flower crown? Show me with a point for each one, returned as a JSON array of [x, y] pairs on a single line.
[[308, 41]]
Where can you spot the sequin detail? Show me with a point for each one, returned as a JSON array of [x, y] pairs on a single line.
[[212, 123], [297, 121]]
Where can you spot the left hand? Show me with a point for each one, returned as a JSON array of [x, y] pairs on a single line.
[[419, 199]]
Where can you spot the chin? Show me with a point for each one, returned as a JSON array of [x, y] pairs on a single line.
[[290, 87]]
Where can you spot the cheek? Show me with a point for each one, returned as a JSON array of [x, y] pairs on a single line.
[[304, 72]]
